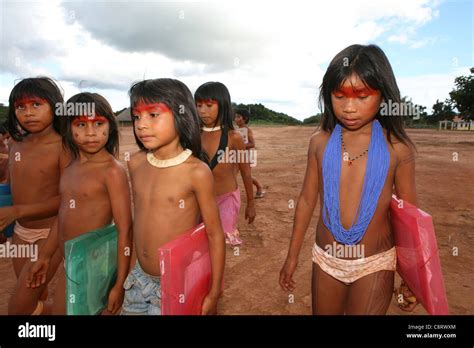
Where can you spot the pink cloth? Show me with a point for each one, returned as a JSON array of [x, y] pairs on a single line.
[[417, 255], [229, 207]]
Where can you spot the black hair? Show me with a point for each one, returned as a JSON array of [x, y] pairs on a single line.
[[218, 91], [3, 129], [102, 108], [244, 113], [40, 87], [371, 65], [177, 96]]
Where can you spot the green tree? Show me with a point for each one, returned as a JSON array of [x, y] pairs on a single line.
[[442, 111], [462, 95]]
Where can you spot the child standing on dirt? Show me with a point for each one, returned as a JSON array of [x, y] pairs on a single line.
[[173, 191], [354, 162], [96, 182], [36, 162], [242, 118], [218, 139]]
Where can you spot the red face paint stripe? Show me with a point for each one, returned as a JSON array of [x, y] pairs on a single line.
[[350, 92], [160, 107], [23, 101], [96, 118]]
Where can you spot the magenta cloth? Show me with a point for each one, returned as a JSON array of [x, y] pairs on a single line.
[[229, 207], [417, 255], [185, 273]]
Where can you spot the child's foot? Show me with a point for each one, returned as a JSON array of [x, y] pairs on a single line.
[[407, 302], [260, 194]]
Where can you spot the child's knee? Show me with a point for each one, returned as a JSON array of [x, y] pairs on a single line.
[[17, 306]]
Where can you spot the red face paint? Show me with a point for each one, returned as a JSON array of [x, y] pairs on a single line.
[[350, 92], [96, 118], [206, 101], [24, 101], [157, 107]]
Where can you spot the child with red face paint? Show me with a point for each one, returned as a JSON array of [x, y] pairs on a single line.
[[221, 141], [96, 182], [173, 191], [36, 161], [354, 162]]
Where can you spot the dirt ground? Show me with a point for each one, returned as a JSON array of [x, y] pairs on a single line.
[[444, 188]]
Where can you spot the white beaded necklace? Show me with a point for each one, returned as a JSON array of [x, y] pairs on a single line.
[[213, 129], [170, 162]]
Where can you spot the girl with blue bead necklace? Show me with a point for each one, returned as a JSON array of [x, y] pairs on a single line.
[[357, 158]]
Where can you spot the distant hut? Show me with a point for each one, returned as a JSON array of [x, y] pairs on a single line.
[[124, 117]]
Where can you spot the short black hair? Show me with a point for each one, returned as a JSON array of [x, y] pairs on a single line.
[[102, 108], [177, 96], [218, 91], [244, 113], [40, 87]]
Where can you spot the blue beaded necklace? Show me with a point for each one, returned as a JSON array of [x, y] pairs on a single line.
[[375, 174]]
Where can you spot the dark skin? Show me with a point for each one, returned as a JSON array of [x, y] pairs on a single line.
[[169, 201], [225, 174], [39, 160], [249, 145], [378, 236], [94, 190]]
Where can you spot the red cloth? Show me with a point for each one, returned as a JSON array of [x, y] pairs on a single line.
[[417, 255]]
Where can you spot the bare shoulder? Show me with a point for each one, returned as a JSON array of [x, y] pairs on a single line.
[[235, 136], [405, 153], [115, 169], [136, 159], [199, 171], [318, 139]]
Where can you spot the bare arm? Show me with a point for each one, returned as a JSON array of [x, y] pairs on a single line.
[[405, 186], [251, 140], [119, 193], [303, 214], [246, 174], [203, 183]]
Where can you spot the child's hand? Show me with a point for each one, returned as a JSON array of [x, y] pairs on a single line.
[[115, 299], [7, 216], [250, 212], [286, 274], [209, 305], [37, 272]]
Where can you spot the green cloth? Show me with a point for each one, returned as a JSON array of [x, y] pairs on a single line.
[[91, 270]]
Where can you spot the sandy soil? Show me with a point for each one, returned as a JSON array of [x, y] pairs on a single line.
[[444, 189]]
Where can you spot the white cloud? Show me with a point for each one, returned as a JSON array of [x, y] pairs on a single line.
[[262, 50]]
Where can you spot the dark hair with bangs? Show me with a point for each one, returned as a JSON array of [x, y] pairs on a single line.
[[39, 87], [371, 65], [102, 108], [177, 96], [218, 91], [244, 113]]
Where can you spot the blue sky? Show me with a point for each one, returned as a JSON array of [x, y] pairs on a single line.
[[272, 52]]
